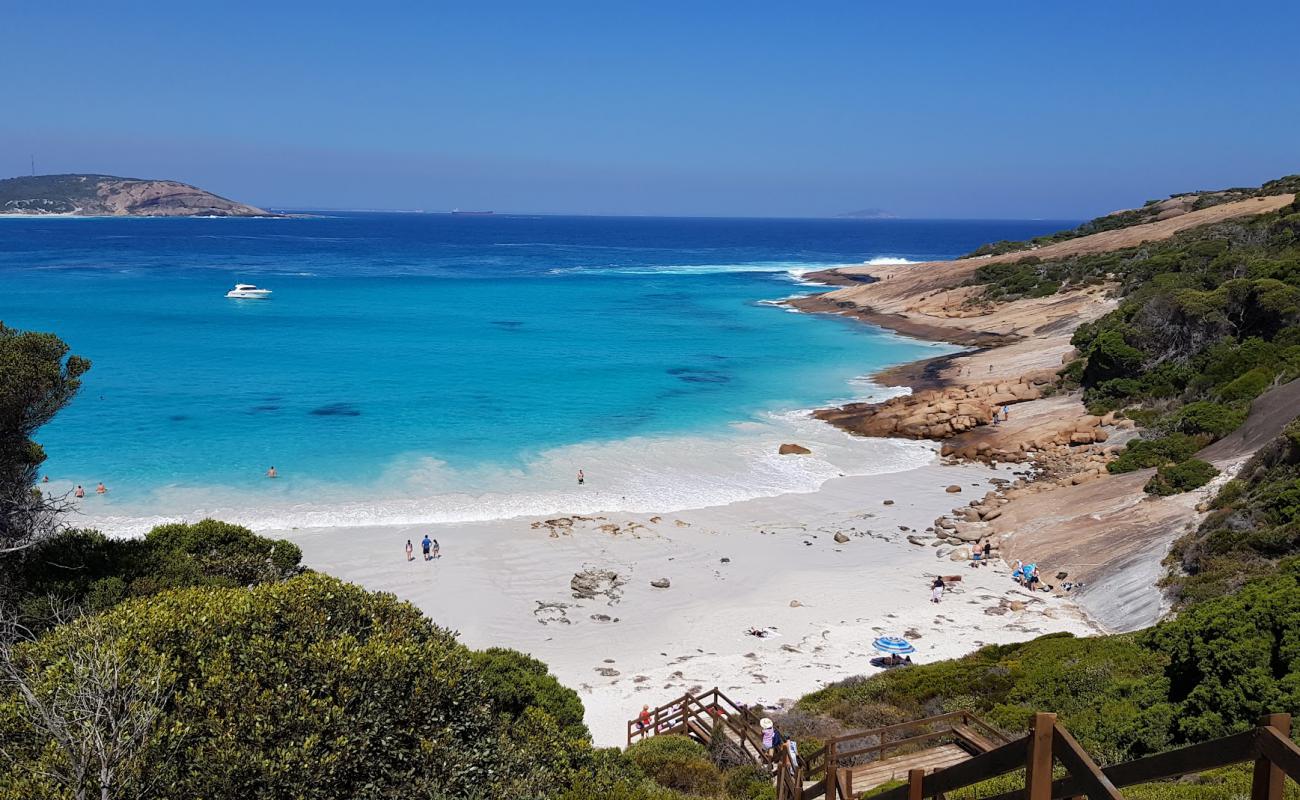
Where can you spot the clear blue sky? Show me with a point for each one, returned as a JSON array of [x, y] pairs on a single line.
[[926, 109]]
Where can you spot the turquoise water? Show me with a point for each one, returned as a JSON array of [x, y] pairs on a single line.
[[415, 368]]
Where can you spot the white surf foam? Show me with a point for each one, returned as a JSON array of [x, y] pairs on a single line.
[[642, 474]]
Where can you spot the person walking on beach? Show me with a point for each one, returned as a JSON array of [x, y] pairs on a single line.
[[1006, 412], [936, 589], [425, 544], [581, 478], [988, 551], [271, 473], [437, 549], [410, 551], [79, 492]]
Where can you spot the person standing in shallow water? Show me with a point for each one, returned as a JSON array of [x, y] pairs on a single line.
[[410, 551], [581, 478], [101, 488], [271, 473], [80, 492]]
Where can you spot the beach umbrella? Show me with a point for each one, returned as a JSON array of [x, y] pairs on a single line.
[[893, 645]]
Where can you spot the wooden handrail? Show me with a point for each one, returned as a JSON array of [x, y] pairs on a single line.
[[1095, 783], [1268, 745], [1007, 758], [971, 719], [1280, 750]]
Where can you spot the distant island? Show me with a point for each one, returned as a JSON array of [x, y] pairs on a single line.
[[867, 213], [111, 196]]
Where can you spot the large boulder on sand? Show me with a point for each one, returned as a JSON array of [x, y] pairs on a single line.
[[953, 489], [793, 450]]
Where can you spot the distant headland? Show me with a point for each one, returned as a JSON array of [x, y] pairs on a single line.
[[111, 196]]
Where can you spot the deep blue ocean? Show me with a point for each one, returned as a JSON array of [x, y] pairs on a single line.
[[414, 367]]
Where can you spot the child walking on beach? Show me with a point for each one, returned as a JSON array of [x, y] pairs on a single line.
[[410, 551]]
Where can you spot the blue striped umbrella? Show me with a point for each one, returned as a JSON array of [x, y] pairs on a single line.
[[893, 645]]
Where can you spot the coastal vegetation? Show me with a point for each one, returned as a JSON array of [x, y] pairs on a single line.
[[1151, 211], [1207, 321]]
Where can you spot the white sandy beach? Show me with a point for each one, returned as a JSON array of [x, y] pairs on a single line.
[[770, 562]]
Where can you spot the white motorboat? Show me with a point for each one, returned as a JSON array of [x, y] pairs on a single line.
[[247, 291]]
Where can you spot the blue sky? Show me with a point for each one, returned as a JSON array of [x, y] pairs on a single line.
[[936, 109]]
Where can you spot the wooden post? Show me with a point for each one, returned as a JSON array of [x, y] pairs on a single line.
[[1038, 765], [1269, 779], [915, 782], [832, 766]]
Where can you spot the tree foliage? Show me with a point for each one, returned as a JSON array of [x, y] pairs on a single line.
[[37, 378], [91, 572]]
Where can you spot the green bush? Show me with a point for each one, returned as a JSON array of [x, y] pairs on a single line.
[[310, 688], [1248, 386], [1181, 477], [517, 682], [1204, 416], [1143, 453], [677, 762], [89, 571], [749, 783]]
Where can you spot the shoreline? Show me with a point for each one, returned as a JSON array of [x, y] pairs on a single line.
[[768, 562]]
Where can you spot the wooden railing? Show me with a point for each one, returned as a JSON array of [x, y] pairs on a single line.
[[875, 744], [1268, 747], [705, 717]]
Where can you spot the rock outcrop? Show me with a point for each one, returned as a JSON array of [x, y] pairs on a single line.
[[793, 450], [936, 413]]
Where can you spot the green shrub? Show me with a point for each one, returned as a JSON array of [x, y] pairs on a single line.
[[87, 570], [1143, 453], [517, 682], [1248, 386], [310, 688], [677, 762], [749, 783], [1204, 416], [1181, 477]]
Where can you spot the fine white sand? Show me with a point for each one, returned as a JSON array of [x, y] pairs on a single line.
[[507, 583]]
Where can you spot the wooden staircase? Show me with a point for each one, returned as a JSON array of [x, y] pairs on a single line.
[[942, 754]]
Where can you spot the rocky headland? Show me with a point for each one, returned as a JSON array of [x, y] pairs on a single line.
[[1094, 532], [111, 196]]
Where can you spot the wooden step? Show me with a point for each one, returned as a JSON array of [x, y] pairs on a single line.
[[980, 742], [869, 776]]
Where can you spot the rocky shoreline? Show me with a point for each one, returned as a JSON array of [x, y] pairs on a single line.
[[1001, 402]]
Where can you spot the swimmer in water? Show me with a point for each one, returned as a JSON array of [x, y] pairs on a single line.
[[271, 473], [100, 489]]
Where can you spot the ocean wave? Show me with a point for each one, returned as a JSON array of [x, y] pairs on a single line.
[[793, 269], [637, 475], [881, 261]]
